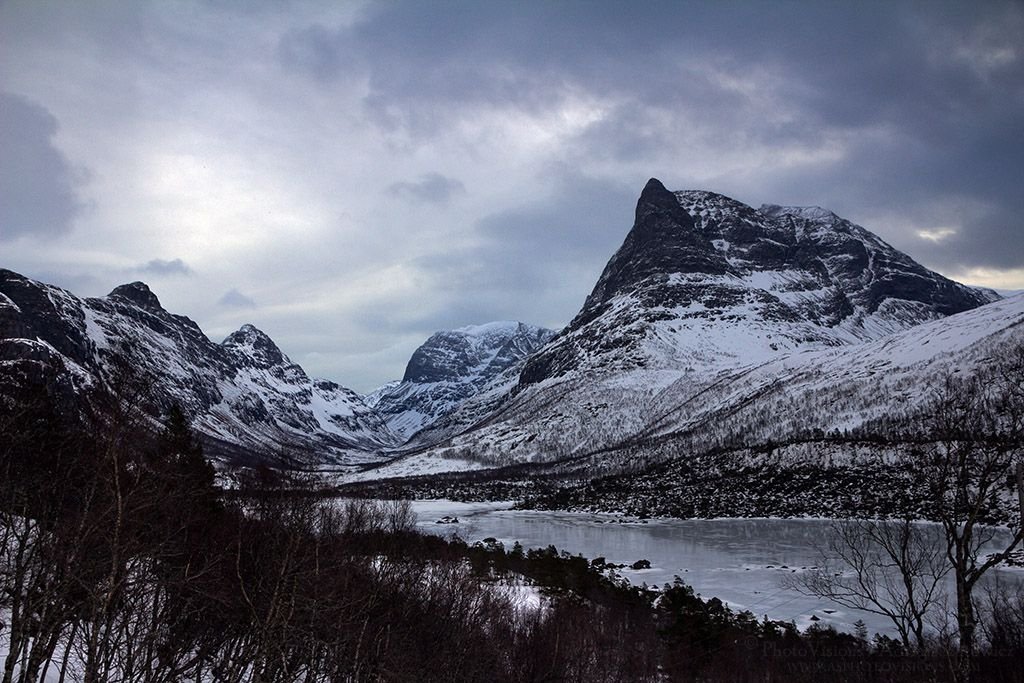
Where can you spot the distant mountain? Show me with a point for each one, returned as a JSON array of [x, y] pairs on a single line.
[[452, 366], [249, 402], [703, 287]]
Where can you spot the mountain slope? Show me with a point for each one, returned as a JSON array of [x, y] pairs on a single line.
[[246, 398], [834, 433], [702, 287]]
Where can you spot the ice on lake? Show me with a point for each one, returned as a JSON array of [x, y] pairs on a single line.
[[740, 561]]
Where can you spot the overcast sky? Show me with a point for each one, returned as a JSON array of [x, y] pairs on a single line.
[[352, 177]]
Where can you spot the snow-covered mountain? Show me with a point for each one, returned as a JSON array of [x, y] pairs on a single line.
[[245, 397], [704, 281], [714, 324], [703, 288], [452, 366]]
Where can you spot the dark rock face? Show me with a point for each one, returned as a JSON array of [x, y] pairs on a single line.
[[452, 366], [785, 277], [139, 294], [444, 356], [33, 314], [479, 352], [245, 397], [663, 240]]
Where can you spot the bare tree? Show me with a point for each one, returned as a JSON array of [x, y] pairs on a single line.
[[972, 476], [974, 473], [37, 559], [891, 568]]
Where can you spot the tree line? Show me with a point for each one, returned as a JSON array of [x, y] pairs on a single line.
[[122, 560]]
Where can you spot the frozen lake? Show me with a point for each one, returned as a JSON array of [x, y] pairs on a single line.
[[740, 561]]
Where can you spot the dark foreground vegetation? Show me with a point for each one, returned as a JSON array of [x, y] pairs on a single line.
[[120, 560]]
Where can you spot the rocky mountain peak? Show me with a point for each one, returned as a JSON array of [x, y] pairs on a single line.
[[654, 198], [139, 294], [255, 343], [453, 365], [455, 354], [664, 239], [703, 280]]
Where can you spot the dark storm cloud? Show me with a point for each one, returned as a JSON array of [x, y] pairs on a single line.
[[162, 267], [526, 55], [926, 99], [536, 262], [432, 188], [583, 220], [970, 180], [235, 299], [37, 195]]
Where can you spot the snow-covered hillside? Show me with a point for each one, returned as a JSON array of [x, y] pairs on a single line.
[[704, 282], [713, 311], [808, 409], [245, 396]]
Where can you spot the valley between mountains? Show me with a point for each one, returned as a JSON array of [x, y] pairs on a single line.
[[729, 361]]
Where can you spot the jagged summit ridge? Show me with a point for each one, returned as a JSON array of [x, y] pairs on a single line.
[[813, 213], [249, 402], [253, 342], [664, 239]]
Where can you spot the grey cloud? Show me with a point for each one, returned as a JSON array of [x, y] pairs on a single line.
[[432, 188], [162, 267], [79, 283], [315, 50], [926, 99], [995, 238], [534, 263], [970, 181], [37, 183], [235, 299]]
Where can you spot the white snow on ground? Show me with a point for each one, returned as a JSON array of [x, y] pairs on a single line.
[[93, 329], [413, 466]]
